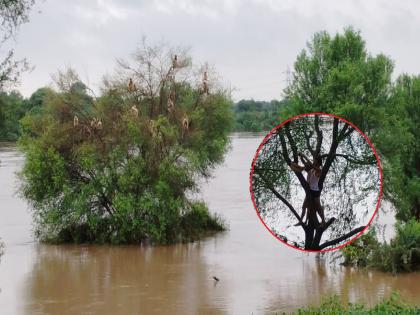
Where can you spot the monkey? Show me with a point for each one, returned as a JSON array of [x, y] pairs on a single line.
[[131, 86], [185, 123], [93, 122], [175, 62], [75, 121], [99, 125], [134, 111], [96, 123], [205, 83], [153, 128], [171, 104]]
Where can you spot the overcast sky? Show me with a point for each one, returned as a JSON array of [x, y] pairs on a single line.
[[251, 43]]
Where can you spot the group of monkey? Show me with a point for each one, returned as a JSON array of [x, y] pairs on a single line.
[[96, 124]]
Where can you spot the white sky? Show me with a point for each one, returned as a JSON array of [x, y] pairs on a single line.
[[251, 43]]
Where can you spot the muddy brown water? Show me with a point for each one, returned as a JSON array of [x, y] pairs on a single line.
[[258, 274]]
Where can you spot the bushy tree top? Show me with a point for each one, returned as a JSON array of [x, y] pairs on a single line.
[[123, 162]]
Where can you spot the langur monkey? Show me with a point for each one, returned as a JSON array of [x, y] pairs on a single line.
[[205, 83], [96, 123], [131, 86], [75, 121], [171, 103], [185, 123], [134, 111], [175, 62], [93, 122]]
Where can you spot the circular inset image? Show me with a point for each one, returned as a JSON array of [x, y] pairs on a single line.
[[316, 182]]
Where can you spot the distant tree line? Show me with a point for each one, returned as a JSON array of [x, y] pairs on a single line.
[[254, 116], [13, 107]]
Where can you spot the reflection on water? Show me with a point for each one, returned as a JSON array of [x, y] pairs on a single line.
[[257, 273]]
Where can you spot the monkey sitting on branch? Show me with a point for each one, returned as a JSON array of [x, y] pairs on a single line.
[[171, 102], [134, 111], [175, 62], [205, 83], [131, 86]]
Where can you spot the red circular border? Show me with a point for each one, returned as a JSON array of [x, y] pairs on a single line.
[[252, 173]]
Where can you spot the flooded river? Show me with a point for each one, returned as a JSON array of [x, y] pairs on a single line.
[[258, 274]]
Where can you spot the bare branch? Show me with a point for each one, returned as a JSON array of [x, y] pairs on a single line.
[[319, 137], [370, 161], [279, 196], [330, 157], [286, 157], [342, 238]]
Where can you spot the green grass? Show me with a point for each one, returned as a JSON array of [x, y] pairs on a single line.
[[332, 306]]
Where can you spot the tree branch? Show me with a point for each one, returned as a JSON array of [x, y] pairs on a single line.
[[343, 134], [342, 238], [353, 160], [286, 157], [292, 143], [308, 143], [279, 196], [319, 136], [330, 157]]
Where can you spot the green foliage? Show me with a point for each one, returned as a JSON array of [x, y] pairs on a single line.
[[13, 107], [398, 141], [402, 254], [360, 252], [11, 111], [337, 75], [119, 168], [333, 306], [257, 116], [12, 15]]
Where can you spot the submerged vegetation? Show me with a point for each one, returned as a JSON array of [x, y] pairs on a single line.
[[333, 306], [402, 254], [120, 167]]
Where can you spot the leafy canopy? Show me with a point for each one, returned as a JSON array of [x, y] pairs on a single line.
[[120, 167]]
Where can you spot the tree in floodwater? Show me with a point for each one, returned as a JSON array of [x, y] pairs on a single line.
[[336, 74], [398, 141], [348, 183], [122, 167]]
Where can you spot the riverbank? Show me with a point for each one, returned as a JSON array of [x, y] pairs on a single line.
[[332, 305]]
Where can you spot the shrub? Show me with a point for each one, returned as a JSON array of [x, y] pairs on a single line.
[[402, 254], [333, 306]]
